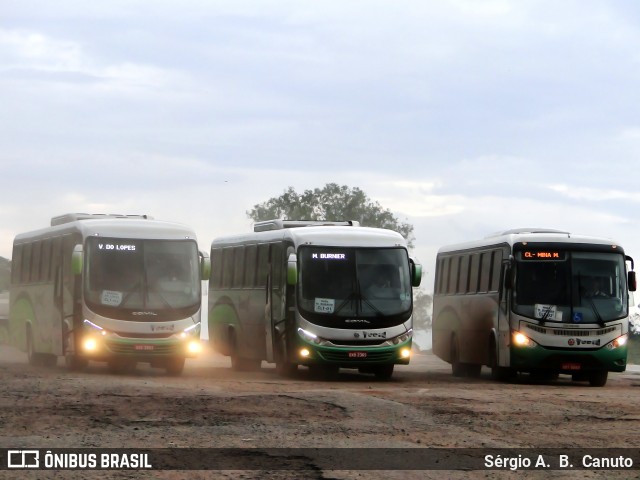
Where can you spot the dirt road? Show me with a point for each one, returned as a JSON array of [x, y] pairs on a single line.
[[211, 406]]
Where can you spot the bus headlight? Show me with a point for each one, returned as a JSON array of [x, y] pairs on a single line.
[[402, 338], [311, 337], [405, 352], [90, 344], [618, 342], [521, 340], [194, 347], [304, 352]]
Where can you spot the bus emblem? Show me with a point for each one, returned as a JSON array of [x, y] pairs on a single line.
[[571, 342]]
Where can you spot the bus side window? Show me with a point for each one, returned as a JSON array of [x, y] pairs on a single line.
[[250, 266], [26, 263], [263, 265], [485, 271], [16, 265], [276, 264], [463, 279], [46, 273], [216, 268], [227, 267], [238, 267], [474, 269], [495, 270], [35, 261], [454, 267]]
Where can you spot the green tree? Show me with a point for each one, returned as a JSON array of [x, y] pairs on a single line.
[[422, 308], [333, 202]]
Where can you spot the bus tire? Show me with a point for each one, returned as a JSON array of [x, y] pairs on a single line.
[[457, 368], [284, 367], [500, 374], [384, 372], [75, 363], [242, 364], [121, 365], [473, 370], [175, 366], [598, 378]]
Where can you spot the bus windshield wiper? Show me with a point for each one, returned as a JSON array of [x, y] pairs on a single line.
[[544, 317], [364, 299], [596, 312], [349, 298]]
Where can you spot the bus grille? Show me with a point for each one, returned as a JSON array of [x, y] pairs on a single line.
[[130, 349], [343, 357], [572, 332]]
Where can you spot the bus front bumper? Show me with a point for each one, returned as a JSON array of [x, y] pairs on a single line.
[[98, 347], [569, 361], [308, 353]]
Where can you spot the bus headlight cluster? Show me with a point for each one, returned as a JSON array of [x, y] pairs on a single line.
[[618, 342], [193, 330], [521, 340], [91, 343], [402, 338], [311, 337]]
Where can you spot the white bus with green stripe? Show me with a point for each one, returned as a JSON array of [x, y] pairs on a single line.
[[537, 301], [120, 289], [301, 293]]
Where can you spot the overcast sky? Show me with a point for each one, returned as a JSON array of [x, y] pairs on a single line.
[[464, 117]]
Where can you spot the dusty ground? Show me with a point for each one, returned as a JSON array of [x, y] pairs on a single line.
[[212, 406]]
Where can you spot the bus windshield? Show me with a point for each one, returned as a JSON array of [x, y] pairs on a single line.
[[348, 282], [159, 277], [570, 287]]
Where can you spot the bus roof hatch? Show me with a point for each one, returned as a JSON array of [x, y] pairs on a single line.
[[73, 217], [279, 224]]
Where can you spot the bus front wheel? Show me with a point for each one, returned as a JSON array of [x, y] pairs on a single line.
[[599, 378], [284, 367], [72, 361], [498, 373], [175, 366], [384, 372]]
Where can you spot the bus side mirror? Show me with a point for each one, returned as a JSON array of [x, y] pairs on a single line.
[[292, 269], [205, 265], [631, 280], [77, 259], [416, 273]]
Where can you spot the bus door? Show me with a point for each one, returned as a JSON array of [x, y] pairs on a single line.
[[503, 329], [67, 289], [274, 309], [57, 262]]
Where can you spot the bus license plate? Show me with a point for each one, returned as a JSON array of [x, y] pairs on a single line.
[[357, 354], [571, 366], [143, 347]]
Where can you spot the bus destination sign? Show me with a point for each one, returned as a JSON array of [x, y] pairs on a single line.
[[542, 255]]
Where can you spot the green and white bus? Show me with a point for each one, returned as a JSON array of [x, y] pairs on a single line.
[[539, 301], [120, 289], [304, 293]]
